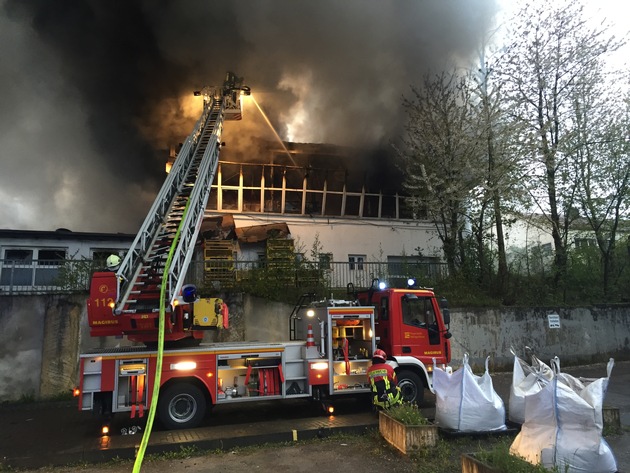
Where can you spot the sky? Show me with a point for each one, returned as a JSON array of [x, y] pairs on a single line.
[[92, 93]]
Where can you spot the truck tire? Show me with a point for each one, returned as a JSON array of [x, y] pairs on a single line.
[[181, 406], [411, 386]]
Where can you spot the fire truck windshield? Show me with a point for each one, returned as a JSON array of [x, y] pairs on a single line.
[[418, 311]]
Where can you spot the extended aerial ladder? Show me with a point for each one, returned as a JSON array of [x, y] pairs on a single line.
[[180, 204]]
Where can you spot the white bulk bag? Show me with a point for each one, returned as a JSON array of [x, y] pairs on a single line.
[[563, 426], [526, 380], [466, 402]]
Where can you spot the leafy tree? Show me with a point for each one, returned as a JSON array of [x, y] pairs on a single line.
[[602, 165], [501, 189], [551, 51], [442, 147]]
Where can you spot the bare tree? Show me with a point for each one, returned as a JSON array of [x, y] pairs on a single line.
[[551, 50]]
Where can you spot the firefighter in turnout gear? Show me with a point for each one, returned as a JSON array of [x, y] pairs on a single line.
[[382, 377]]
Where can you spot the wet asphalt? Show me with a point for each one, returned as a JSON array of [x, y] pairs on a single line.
[[34, 435]]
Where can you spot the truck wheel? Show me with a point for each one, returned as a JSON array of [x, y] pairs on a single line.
[[411, 386], [181, 406]]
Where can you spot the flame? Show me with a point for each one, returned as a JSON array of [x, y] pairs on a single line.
[[299, 128]]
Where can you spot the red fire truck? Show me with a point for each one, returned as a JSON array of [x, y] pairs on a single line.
[[330, 342], [326, 357]]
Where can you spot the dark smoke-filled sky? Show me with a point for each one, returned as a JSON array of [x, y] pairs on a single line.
[[92, 92]]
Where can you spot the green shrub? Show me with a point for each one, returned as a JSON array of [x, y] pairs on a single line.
[[408, 414]]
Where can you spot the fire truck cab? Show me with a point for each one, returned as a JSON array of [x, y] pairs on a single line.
[[413, 329]]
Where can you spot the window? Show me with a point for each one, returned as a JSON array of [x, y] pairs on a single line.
[[324, 260], [356, 262], [51, 257], [28, 267], [23, 256], [17, 268], [584, 242], [262, 259], [100, 257], [418, 311], [383, 309], [419, 267], [48, 263]]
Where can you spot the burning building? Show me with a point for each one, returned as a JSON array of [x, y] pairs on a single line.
[[321, 201]]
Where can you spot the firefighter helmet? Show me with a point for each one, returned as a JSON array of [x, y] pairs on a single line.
[[378, 353], [113, 261]]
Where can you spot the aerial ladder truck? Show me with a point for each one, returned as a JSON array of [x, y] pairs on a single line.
[[128, 303], [330, 342]]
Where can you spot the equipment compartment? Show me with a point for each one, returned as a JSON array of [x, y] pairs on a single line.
[[249, 375]]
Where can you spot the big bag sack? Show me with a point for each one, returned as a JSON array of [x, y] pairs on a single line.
[[563, 425], [466, 402], [526, 380]]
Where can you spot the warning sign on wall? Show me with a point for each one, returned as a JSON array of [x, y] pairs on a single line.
[[554, 320]]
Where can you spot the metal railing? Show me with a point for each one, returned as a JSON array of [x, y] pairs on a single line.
[[69, 276], [46, 276]]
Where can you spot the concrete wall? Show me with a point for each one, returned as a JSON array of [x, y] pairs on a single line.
[[21, 340], [42, 336], [38, 344], [585, 335]]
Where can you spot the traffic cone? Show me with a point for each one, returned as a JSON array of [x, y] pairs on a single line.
[[310, 350], [310, 341]]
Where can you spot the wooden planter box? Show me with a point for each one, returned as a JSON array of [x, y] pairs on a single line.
[[406, 438], [470, 464]]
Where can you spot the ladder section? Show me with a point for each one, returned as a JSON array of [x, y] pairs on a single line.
[[188, 185]]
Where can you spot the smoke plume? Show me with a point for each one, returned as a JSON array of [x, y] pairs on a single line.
[[92, 93]]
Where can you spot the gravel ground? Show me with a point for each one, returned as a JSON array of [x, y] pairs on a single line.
[[369, 453]]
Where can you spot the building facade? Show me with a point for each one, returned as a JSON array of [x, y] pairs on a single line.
[[317, 203]]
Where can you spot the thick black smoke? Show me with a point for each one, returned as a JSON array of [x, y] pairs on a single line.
[[92, 92]]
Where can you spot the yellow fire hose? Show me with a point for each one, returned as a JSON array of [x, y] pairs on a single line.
[[160, 354]]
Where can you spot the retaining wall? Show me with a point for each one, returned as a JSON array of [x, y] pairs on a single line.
[[42, 336]]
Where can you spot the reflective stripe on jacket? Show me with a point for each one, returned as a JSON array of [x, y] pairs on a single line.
[[385, 391]]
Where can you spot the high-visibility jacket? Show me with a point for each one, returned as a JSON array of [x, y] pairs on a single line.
[[385, 390]]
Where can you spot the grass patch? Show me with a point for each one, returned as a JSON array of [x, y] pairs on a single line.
[[501, 459], [31, 398], [442, 458], [185, 451], [611, 430]]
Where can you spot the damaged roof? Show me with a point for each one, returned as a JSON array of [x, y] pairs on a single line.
[[218, 228], [258, 233]]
